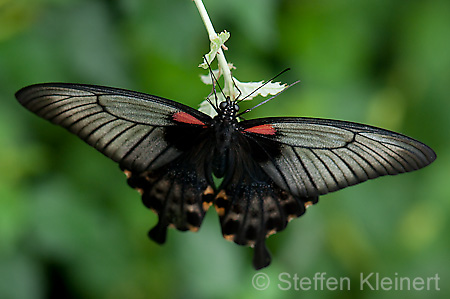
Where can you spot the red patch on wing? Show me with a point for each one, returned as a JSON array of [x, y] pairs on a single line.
[[262, 129], [183, 117]]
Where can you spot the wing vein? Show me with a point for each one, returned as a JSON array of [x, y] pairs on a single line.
[[346, 164], [358, 162], [99, 127], [118, 135], [327, 168], [374, 153], [306, 171], [136, 145]]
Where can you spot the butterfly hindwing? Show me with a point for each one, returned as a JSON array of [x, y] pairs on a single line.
[[251, 211], [179, 193]]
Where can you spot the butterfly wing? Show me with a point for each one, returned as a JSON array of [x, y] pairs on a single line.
[[126, 126], [282, 165], [316, 156], [158, 142]]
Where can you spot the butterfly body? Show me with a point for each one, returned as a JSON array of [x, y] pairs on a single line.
[[271, 169], [225, 127]]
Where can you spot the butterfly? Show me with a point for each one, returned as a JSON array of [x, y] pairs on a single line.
[[271, 169]]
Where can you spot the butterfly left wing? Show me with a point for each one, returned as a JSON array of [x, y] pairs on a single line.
[[312, 157], [159, 143], [281, 165]]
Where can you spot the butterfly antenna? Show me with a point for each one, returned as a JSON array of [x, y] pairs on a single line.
[[209, 100], [240, 92], [214, 79], [213, 91], [264, 84], [263, 102]]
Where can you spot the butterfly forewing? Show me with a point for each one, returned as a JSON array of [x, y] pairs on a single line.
[[126, 126], [317, 156]]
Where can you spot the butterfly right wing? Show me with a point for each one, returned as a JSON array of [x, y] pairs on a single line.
[[155, 141], [126, 126], [180, 192]]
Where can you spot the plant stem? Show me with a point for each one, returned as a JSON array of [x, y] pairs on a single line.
[[223, 64]]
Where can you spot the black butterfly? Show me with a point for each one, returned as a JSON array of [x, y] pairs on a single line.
[[272, 169]]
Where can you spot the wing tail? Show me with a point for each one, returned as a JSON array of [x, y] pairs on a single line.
[[250, 211]]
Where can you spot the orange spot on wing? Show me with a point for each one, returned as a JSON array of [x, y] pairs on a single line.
[[206, 205], [262, 129], [308, 204], [183, 117]]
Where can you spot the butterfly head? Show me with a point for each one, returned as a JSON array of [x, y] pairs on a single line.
[[228, 108]]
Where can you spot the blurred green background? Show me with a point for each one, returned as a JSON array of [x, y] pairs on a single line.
[[70, 227]]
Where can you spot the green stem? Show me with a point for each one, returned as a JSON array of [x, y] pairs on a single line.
[[223, 64]]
